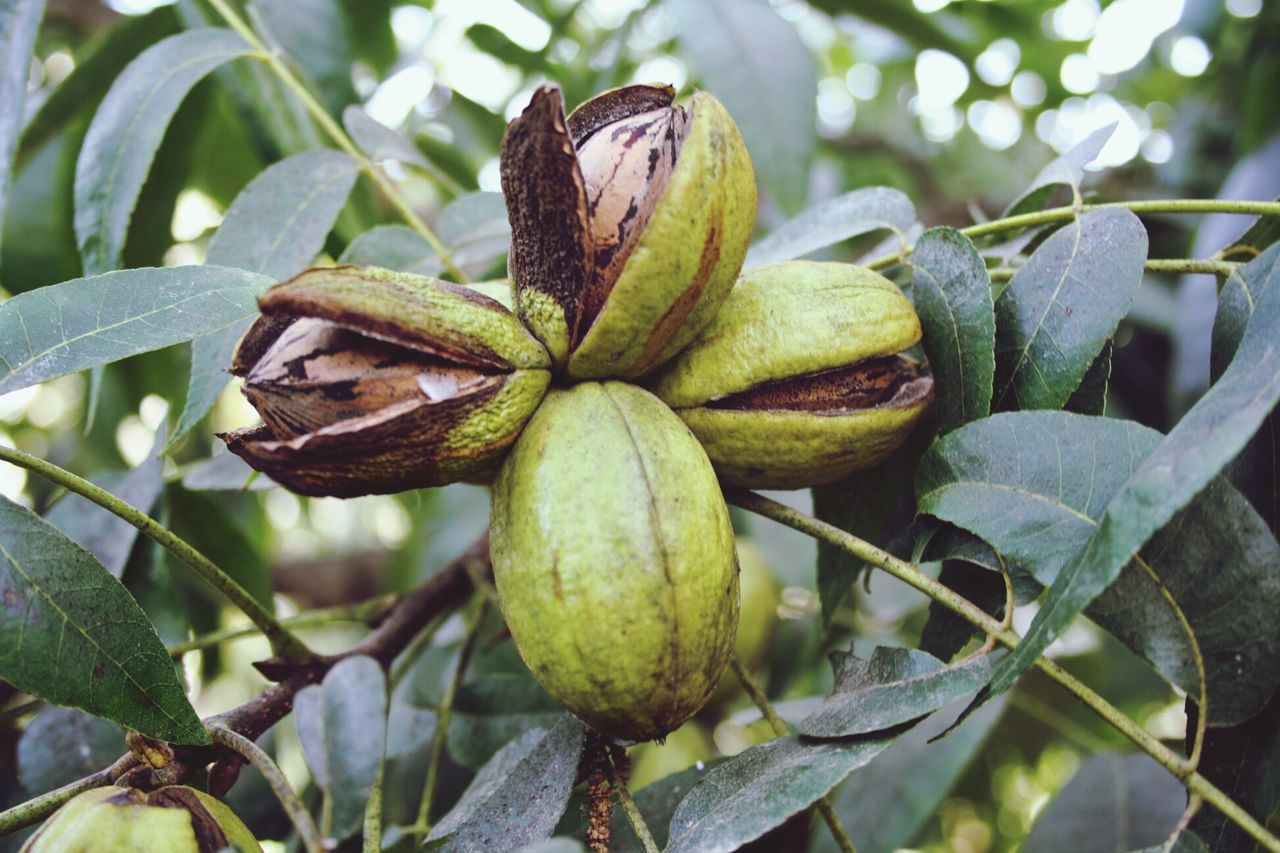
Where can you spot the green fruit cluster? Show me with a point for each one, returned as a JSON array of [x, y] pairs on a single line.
[[636, 372]]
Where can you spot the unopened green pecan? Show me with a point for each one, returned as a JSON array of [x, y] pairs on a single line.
[[173, 819], [370, 381], [630, 219], [800, 378], [614, 560]]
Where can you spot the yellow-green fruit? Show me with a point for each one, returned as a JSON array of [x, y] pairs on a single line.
[[800, 378], [681, 749], [757, 617], [174, 819], [614, 560]]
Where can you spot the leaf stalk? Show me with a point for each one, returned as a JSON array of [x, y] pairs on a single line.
[[1061, 214]]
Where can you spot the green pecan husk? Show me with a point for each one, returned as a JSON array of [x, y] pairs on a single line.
[[800, 378], [371, 381], [173, 819], [614, 559], [630, 220]]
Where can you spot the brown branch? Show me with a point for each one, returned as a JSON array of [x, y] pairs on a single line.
[[448, 589], [445, 591]]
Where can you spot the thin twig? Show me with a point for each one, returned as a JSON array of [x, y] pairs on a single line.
[[1193, 807], [405, 661], [35, 810], [912, 576], [1166, 265], [1060, 214], [780, 729], [635, 818], [336, 133], [283, 643], [255, 755]]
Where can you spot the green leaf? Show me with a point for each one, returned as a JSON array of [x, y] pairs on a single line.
[[850, 215], [952, 291], [71, 634], [744, 797], [1090, 397], [1204, 441], [86, 322], [276, 226], [493, 710], [19, 23], [892, 687], [378, 141], [884, 804], [518, 796], [60, 746], [278, 119], [409, 729], [98, 64], [1244, 761], [1002, 479], [1065, 170], [101, 533], [752, 59], [394, 247], [342, 726], [1113, 802], [1204, 556], [475, 230], [1063, 306], [1256, 471], [127, 130]]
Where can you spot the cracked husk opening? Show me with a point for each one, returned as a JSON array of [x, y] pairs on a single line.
[[317, 374], [892, 381]]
